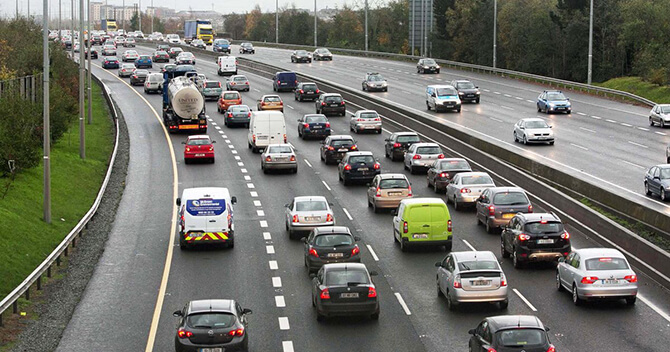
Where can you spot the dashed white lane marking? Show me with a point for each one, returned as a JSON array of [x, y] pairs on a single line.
[[469, 245], [661, 133], [402, 303], [507, 95], [495, 119], [307, 162], [530, 101], [372, 253], [273, 265], [260, 212], [234, 151], [579, 146], [267, 236], [283, 323], [250, 185], [239, 163], [524, 300], [280, 302], [347, 213], [270, 249], [518, 98], [638, 144], [210, 119], [247, 178], [642, 128], [217, 127], [596, 117], [263, 223], [581, 113], [287, 346], [625, 124], [587, 130], [654, 307], [290, 107], [506, 107], [222, 133], [276, 282], [237, 157], [231, 146], [244, 171], [325, 184], [213, 123], [611, 121], [254, 194], [256, 90], [486, 90], [228, 141], [632, 164], [257, 203], [497, 93]]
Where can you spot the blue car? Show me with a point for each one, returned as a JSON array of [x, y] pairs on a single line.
[[110, 62], [143, 61], [313, 125], [553, 101], [221, 46]]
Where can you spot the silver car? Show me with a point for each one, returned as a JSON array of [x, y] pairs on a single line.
[[466, 187], [238, 82], [130, 55], [365, 120], [153, 83], [126, 70], [471, 277], [533, 130], [596, 273], [659, 114], [306, 213], [422, 156], [279, 157]]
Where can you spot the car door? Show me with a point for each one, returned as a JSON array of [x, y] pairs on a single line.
[[574, 270], [372, 190], [409, 155], [308, 242], [452, 185], [443, 273], [508, 233], [482, 204], [289, 211], [564, 269], [541, 101], [397, 219], [654, 114], [656, 180]]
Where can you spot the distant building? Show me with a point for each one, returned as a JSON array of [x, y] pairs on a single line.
[[160, 12], [96, 12]]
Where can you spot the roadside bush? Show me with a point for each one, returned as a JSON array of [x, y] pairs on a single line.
[[22, 120]]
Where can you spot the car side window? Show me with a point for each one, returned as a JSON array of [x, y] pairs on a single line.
[[575, 261], [657, 172], [319, 276], [450, 264], [518, 225], [290, 206], [487, 334], [238, 308], [568, 259]]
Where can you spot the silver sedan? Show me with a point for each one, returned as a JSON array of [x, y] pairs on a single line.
[[596, 273], [533, 130], [660, 114], [365, 120], [471, 277], [238, 82], [306, 213], [466, 187], [422, 156], [279, 157]]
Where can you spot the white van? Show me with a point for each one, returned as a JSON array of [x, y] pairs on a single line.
[[226, 65], [265, 128], [206, 217]]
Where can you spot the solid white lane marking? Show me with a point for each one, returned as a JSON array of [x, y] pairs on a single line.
[[273, 265], [372, 252], [325, 184], [283, 323], [280, 302], [347, 213], [661, 133], [307, 162], [625, 124], [402, 303], [579, 146], [244, 171], [587, 130], [654, 307], [638, 144], [270, 249], [256, 202], [267, 236], [253, 194], [276, 282], [469, 245], [581, 113], [250, 185], [260, 212], [632, 164], [247, 178], [524, 300], [263, 223]]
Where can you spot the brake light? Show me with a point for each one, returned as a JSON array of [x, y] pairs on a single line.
[[219, 84], [530, 208], [342, 103], [292, 157], [356, 250], [323, 104], [330, 148], [409, 191], [441, 156], [465, 190], [305, 125], [377, 119], [268, 159], [230, 114], [379, 192], [359, 120], [253, 138], [134, 76], [551, 348], [503, 281], [296, 82], [372, 292], [543, 221], [246, 82], [416, 156], [236, 332], [329, 217], [404, 227], [397, 145], [188, 149], [184, 333], [444, 175], [284, 138], [565, 235], [589, 279], [449, 225], [457, 282], [313, 252], [317, 91], [211, 149], [492, 210], [327, 124], [347, 167], [491, 349], [302, 91], [325, 294], [523, 237], [631, 278], [295, 218], [249, 114], [278, 81], [354, 147], [377, 166]]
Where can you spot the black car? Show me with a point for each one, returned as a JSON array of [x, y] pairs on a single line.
[[212, 323], [358, 166], [96, 40], [160, 56], [185, 59], [427, 66], [94, 53], [313, 125], [247, 48], [397, 144], [330, 104], [332, 244], [174, 52], [344, 289], [110, 62], [322, 54], [306, 91], [533, 237], [168, 68], [333, 148], [444, 170], [138, 77], [467, 91], [510, 333], [301, 56]]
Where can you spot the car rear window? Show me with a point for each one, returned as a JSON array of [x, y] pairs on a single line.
[[465, 85], [478, 265], [212, 84], [210, 320], [231, 96], [510, 198], [555, 96], [238, 108], [332, 99], [344, 277], [544, 227], [316, 119], [408, 139], [285, 76], [606, 263], [311, 205], [342, 143], [281, 149], [521, 338], [240, 79], [393, 183], [477, 180], [301, 52], [199, 141], [361, 159], [155, 78], [333, 240], [272, 99], [368, 115], [428, 150], [453, 165], [145, 57], [309, 86]]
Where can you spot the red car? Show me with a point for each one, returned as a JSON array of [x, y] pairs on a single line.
[[198, 147]]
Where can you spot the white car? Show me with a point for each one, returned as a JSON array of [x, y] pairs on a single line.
[[172, 38], [130, 55], [533, 130], [308, 212], [442, 98], [422, 156], [466, 187], [279, 157], [153, 83], [365, 120]]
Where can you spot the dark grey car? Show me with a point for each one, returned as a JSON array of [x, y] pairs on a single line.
[[333, 244], [657, 181], [497, 205], [467, 91], [138, 77], [237, 115], [212, 324], [443, 171], [344, 289]]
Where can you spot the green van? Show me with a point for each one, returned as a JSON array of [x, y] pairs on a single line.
[[422, 222]]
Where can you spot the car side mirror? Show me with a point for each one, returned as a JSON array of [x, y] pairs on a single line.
[[303, 240], [551, 126], [561, 260], [286, 205], [183, 142], [357, 238], [312, 275], [246, 311], [299, 120], [178, 201], [438, 264], [368, 184], [471, 331], [374, 273], [331, 204], [233, 200], [522, 128], [387, 140], [477, 87], [546, 328], [177, 313]]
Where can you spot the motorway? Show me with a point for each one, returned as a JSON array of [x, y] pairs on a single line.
[[143, 276]]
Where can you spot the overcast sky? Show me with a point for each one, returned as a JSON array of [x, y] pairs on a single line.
[[8, 7]]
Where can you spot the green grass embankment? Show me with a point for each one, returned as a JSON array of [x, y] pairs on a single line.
[[635, 85], [26, 240]]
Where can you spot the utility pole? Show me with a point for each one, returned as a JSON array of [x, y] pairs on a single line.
[[366, 25], [590, 67], [423, 27], [276, 21], [82, 66], [28, 8], [72, 28], [153, 13], [315, 42], [60, 28], [17, 9], [413, 15], [123, 15], [495, 27], [139, 14], [90, 105], [46, 138]]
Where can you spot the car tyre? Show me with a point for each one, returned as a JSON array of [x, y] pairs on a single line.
[[374, 208], [503, 304], [439, 291], [559, 286], [403, 247], [663, 196], [524, 140], [489, 228], [319, 316], [451, 305], [503, 252], [427, 105], [631, 300], [456, 206], [646, 189], [182, 243], [575, 296], [515, 260], [651, 122], [662, 123], [375, 316], [516, 140]]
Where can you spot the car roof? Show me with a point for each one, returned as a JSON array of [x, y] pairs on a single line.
[[461, 80], [198, 136], [200, 192], [436, 86], [552, 91], [514, 321], [309, 198], [331, 95], [211, 305], [474, 255], [263, 97], [473, 173], [359, 153], [422, 200], [405, 133], [587, 253], [495, 190], [365, 110], [532, 119], [534, 217], [331, 229], [280, 145], [392, 176], [341, 136], [663, 166], [342, 266], [426, 144]]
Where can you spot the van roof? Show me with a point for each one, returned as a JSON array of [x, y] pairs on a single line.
[[436, 86], [205, 192], [425, 200]]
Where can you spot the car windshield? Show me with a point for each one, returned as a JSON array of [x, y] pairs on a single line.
[[361, 159], [606, 264], [465, 85], [210, 320], [453, 165], [555, 96], [301, 53], [332, 99], [272, 99], [309, 119], [375, 78], [536, 124], [239, 108], [344, 277], [428, 150], [478, 265], [334, 240], [665, 173], [279, 149], [429, 62], [665, 109], [176, 49], [246, 45], [311, 205], [510, 198], [544, 227], [212, 84], [393, 183], [368, 115], [323, 51], [199, 141], [477, 180], [408, 139], [240, 79], [342, 142], [231, 96], [445, 92], [521, 337]]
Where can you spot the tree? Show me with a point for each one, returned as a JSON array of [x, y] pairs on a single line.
[[470, 26], [235, 25], [134, 22], [441, 38], [347, 30]]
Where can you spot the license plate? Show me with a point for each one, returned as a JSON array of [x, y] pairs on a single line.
[[349, 295], [363, 169], [316, 127], [262, 137], [333, 105], [481, 282], [420, 235], [449, 106], [282, 84], [215, 349], [508, 215], [200, 155], [188, 127], [343, 150], [545, 241], [611, 282], [395, 193], [312, 218], [335, 255], [281, 159]]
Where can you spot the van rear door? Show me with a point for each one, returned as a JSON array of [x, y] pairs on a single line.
[[276, 129], [439, 215], [211, 213], [419, 222]]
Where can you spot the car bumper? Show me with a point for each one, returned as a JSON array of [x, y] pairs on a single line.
[[271, 108], [333, 110], [376, 89], [308, 227], [543, 255], [466, 199], [430, 69], [234, 119], [317, 263], [360, 176], [211, 95], [586, 292], [369, 126], [447, 106], [559, 109], [303, 59], [539, 140], [184, 345], [345, 309], [317, 132], [239, 87], [387, 202], [280, 165], [463, 296], [422, 243], [417, 164], [497, 222], [152, 89], [111, 66], [198, 155], [308, 96], [124, 74]]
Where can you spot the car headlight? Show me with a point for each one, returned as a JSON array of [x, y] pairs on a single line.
[[478, 93], [460, 93], [384, 84], [369, 83], [437, 67], [551, 105]]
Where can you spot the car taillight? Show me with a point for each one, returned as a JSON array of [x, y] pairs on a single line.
[[295, 218], [377, 166], [409, 191], [246, 82], [236, 332], [347, 167], [188, 149], [268, 159], [372, 292], [327, 124], [565, 235], [457, 282], [219, 84], [356, 250], [230, 114], [296, 82], [523, 237], [232, 83], [211, 149], [530, 208], [492, 210], [589, 279], [360, 120], [378, 192], [449, 225], [184, 333], [441, 156], [317, 91], [134, 76], [323, 104], [444, 175], [551, 348], [302, 91], [313, 252], [465, 190], [342, 103], [397, 145], [329, 218], [284, 138], [325, 294], [404, 227], [631, 278], [491, 349], [354, 147], [416, 157], [292, 157], [249, 114], [305, 125], [503, 280], [330, 148]]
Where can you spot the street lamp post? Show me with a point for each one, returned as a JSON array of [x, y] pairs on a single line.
[[153, 10], [46, 138], [276, 21], [412, 16], [315, 42], [366, 25], [590, 67], [82, 66], [139, 14], [90, 106], [495, 27]]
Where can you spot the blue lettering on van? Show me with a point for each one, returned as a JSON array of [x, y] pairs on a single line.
[[206, 207]]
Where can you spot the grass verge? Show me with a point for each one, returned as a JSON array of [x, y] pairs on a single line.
[[636, 227], [635, 85], [26, 239]]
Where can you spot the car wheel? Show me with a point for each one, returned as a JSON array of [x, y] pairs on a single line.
[[295, 171], [662, 123], [456, 207], [374, 208], [646, 189], [477, 101], [503, 252], [451, 305], [524, 140], [411, 169], [503, 304], [575, 296], [489, 228], [439, 290], [651, 122], [663, 194], [403, 247], [320, 317], [559, 286], [375, 316], [427, 105], [345, 181], [515, 259], [631, 300], [182, 243], [516, 140]]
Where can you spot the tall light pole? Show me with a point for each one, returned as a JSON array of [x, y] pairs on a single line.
[[139, 14], [123, 15], [590, 67], [495, 27], [17, 9], [412, 16], [276, 21], [153, 12], [423, 27], [315, 45], [28, 1], [72, 29], [366, 25], [90, 105], [82, 66], [60, 28], [46, 139]]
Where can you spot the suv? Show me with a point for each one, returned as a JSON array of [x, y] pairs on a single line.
[[467, 91], [442, 98], [358, 166], [374, 82], [286, 80], [330, 103], [553, 101], [534, 237], [427, 66], [333, 148]]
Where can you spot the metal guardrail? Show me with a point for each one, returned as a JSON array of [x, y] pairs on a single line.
[[71, 239], [29, 87], [480, 68]]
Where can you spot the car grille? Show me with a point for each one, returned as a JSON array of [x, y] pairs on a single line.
[[541, 134]]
